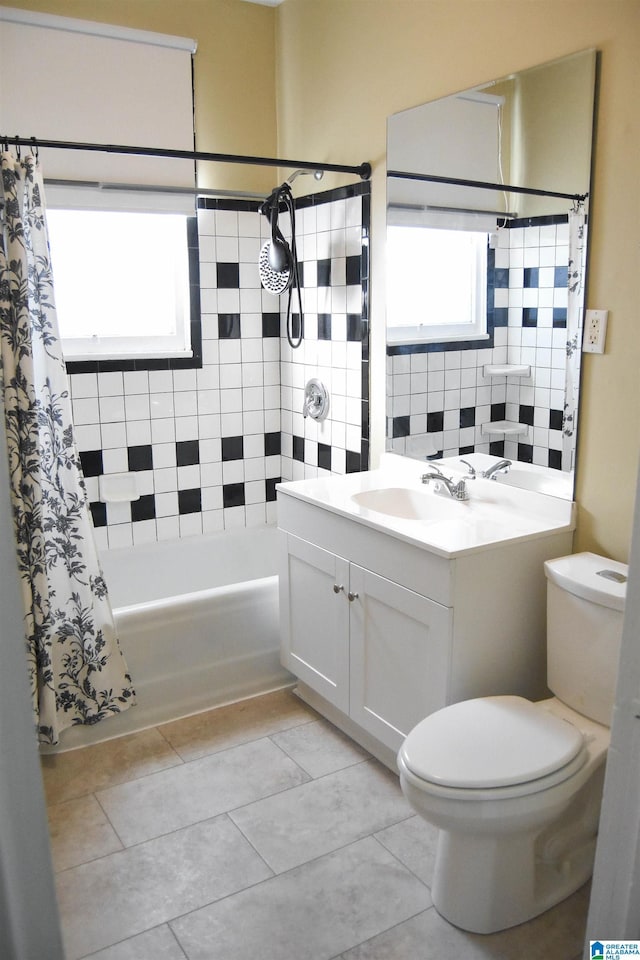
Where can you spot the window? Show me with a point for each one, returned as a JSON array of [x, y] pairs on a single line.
[[121, 283], [121, 262], [436, 284]]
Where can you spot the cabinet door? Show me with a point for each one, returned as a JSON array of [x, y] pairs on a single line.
[[314, 613], [399, 656]]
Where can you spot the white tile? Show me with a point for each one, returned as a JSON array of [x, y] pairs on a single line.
[[85, 410], [110, 384], [233, 471], [231, 424], [190, 525], [120, 536], [165, 479], [228, 301], [212, 499], [162, 405], [227, 250], [163, 430], [226, 223], [84, 385], [118, 513], [137, 407], [231, 401], [115, 460], [234, 517], [187, 428], [88, 436], [111, 409], [185, 404], [188, 476], [253, 376], [168, 528], [136, 381], [210, 475]]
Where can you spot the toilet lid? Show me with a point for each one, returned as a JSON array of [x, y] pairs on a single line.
[[490, 742]]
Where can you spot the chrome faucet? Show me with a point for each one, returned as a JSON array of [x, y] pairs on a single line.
[[501, 467], [458, 491]]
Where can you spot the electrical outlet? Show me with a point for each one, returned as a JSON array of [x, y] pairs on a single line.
[[595, 331]]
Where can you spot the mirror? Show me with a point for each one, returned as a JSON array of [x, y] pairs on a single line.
[[487, 196]]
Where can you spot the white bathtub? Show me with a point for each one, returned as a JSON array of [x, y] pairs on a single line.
[[198, 624]]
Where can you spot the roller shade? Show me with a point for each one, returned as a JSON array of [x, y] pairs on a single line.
[[433, 139], [75, 80]]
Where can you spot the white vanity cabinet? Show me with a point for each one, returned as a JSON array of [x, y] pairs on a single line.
[[369, 646], [381, 631]]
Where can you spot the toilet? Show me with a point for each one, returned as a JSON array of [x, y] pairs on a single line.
[[515, 786]]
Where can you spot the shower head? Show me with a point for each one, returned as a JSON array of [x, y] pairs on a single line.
[[317, 174]]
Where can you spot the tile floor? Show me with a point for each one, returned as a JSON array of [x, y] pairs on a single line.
[[256, 831]]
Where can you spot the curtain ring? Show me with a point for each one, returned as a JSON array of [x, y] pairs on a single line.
[[34, 148], [18, 151]]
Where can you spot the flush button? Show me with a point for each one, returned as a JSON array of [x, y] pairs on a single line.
[[612, 575]]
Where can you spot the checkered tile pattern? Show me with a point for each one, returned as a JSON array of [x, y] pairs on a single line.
[[208, 443]]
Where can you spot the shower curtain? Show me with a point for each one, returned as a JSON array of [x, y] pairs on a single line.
[[575, 305], [77, 671]]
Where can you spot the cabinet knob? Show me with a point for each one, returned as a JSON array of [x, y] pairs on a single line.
[[352, 596], [337, 588]]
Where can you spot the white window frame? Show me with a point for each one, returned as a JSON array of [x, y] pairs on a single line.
[[95, 345], [408, 324]]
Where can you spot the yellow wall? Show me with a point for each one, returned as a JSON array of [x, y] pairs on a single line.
[[340, 67], [344, 65]]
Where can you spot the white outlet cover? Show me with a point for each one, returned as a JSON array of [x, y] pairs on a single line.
[[595, 331]]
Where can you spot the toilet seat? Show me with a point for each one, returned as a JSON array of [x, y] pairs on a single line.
[[503, 745]]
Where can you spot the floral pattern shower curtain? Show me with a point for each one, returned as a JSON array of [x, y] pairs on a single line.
[[575, 306], [77, 671]]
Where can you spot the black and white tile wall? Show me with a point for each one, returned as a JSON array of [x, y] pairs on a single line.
[[208, 445], [333, 240], [439, 400]]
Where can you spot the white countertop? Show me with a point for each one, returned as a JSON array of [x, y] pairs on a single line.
[[495, 513]]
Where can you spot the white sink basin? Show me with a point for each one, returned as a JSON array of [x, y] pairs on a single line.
[[406, 503], [393, 499]]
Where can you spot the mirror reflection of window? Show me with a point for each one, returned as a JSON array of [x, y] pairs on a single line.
[[436, 284]]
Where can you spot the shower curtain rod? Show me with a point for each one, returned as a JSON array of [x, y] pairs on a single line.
[[363, 170], [505, 188]]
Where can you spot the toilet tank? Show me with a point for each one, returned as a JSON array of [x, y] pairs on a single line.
[[585, 609]]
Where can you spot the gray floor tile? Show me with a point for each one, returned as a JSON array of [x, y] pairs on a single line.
[[311, 913], [322, 815], [79, 831], [422, 937], [237, 723], [198, 790], [126, 893], [319, 747], [157, 944], [78, 772], [553, 936], [414, 843]]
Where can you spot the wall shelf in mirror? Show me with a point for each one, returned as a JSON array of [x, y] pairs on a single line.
[[504, 428], [506, 370]]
